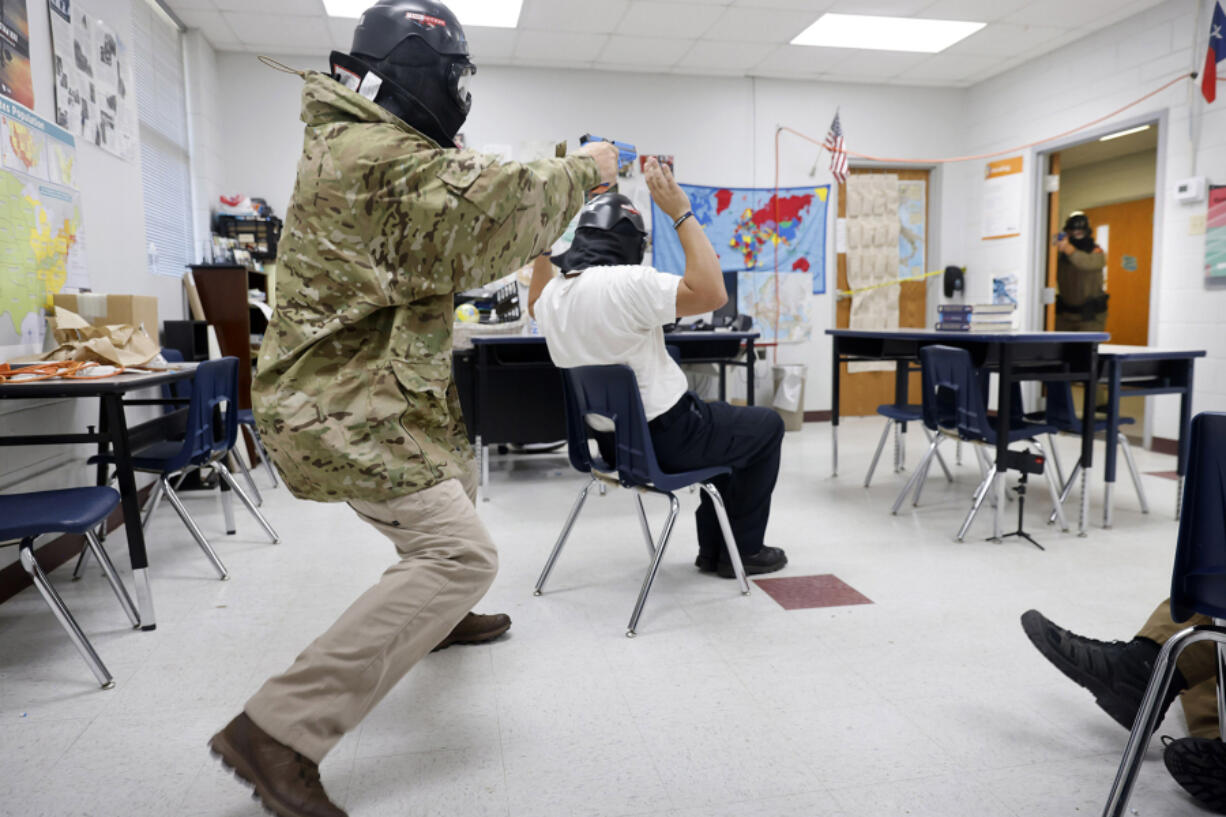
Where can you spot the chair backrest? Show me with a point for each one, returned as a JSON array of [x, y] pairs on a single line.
[[1198, 581], [611, 392], [180, 389], [1060, 411], [953, 392], [215, 382]]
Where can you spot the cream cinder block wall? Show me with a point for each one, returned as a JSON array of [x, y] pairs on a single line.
[[112, 206], [1080, 82], [721, 130]]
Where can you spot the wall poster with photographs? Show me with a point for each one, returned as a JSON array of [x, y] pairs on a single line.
[[94, 95], [15, 80]]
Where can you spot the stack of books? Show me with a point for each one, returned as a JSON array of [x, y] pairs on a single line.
[[975, 317]]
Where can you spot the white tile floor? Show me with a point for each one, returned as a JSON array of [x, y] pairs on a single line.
[[930, 702]]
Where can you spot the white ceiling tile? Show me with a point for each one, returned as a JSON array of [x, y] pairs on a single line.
[[950, 67], [734, 57], [759, 25], [643, 50], [1061, 13], [879, 8], [860, 63], [973, 10], [296, 7], [815, 6], [490, 43], [210, 23], [552, 49], [305, 34], [191, 5], [798, 61], [1004, 40], [568, 15], [651, 19]]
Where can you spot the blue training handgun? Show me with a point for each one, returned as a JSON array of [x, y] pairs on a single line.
[[627, 153]]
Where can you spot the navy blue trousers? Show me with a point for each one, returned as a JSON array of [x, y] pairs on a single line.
[[747, 439]]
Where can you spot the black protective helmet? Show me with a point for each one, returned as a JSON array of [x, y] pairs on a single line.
[[1077, 220], [419, 51], [603, 212]]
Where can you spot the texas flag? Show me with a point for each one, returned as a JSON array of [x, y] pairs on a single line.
[[1217, 53]]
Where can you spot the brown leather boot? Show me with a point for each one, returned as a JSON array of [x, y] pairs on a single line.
[[286, 782], [476, 629]]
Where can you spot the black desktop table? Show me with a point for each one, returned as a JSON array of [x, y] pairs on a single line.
[[1015, 356], [511, 393], [113, 432]]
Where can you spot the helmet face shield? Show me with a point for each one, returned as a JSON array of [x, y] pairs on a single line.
[[460, 75]]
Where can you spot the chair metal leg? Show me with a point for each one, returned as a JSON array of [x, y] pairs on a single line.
[[949, 477], [259, 446], [1066, 490], [897, 448], [885, 433], [734, 553], [985, 488], [105, 680], [985, 463], [112, 576], [227, 508], [958, 453], [246, 500], [674, 508], [177, 504], [651, 545], [1052, 488], [1147, 717], [915, 475], [1054, 458], [924, 467], [79, 570], [155, 499], [1136, 475], [557, 547], [241, 464]]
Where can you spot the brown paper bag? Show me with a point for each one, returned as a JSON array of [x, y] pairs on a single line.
[[116, 344]]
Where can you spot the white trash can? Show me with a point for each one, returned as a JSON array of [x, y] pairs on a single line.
[[789, 398]]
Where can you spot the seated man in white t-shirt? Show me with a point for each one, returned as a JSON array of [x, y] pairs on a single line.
[[608, 308]]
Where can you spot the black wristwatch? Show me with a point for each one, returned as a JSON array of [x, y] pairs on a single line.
[[680, 221]]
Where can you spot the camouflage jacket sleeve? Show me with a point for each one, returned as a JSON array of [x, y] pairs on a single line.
[[467, 219]]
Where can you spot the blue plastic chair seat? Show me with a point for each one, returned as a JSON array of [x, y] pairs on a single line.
[[154, 457], [901, 414], [71, 510]]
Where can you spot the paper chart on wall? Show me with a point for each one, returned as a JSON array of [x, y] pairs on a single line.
[[94, 95], [16, 81], [872, 255]]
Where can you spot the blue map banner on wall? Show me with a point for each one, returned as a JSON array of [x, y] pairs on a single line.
[[746, 225]]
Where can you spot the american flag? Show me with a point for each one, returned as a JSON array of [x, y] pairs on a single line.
[[838, 151]]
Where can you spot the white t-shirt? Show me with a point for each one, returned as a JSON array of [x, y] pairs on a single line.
[[616, 315]]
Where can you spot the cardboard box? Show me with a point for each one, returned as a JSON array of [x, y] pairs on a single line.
[[106, 310]]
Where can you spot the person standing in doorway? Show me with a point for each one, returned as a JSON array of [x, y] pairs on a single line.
[[1081, 303]]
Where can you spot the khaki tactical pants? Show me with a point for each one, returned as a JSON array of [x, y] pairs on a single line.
[[1196, 664], [447, 562]]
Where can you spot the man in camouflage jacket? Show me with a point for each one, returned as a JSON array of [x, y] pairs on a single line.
[[353, 396]]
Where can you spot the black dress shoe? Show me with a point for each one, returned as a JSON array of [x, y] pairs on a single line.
[[766, 560]]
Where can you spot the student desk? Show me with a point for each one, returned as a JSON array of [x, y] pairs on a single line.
[[1141, 371], [113, 432], [1014, 356], [511, 392]]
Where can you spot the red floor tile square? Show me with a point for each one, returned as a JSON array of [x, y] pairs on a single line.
[[804, 592], [1164, 474]]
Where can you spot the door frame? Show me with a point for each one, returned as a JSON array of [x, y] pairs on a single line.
[[1039, 244]]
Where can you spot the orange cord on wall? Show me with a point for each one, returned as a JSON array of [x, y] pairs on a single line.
[[66, 369]]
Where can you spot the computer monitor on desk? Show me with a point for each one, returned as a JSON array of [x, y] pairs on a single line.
[[724, 315]]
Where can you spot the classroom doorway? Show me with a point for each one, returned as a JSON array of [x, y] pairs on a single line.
[[1113, 180]]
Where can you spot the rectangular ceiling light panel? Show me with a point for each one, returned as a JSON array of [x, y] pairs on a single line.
[[885, 33], [487, 13]]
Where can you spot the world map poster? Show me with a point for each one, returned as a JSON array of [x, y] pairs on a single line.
[[750, 228]]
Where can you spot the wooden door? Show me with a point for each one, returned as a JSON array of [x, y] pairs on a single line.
[[1130, 237], [862, 392], [1053, 227]]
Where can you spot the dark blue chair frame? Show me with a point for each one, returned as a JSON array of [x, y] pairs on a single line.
[[73, 510], [1060, 413], [954, 405], [1198, 585], [204, 445], [606, 401]]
